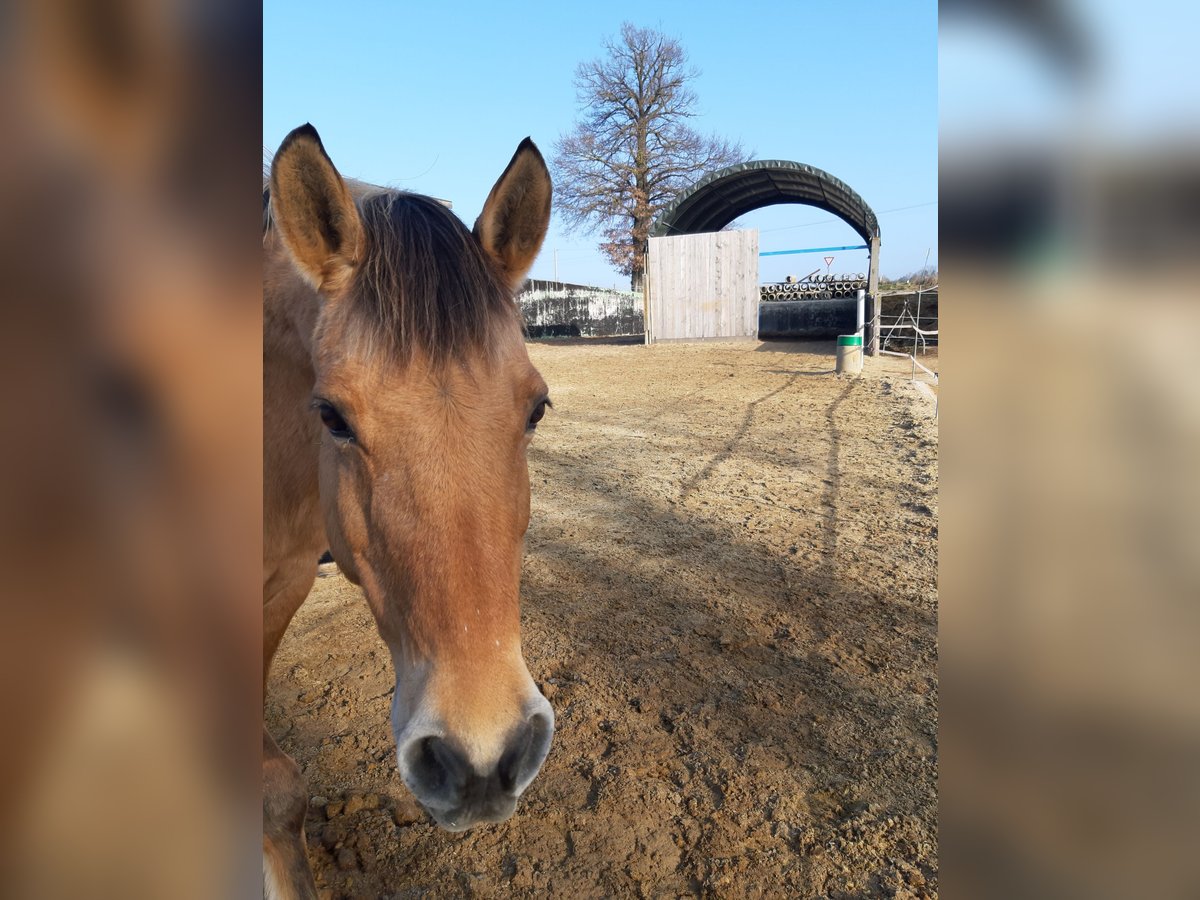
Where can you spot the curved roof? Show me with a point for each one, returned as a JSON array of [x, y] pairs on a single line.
[[720, 197]]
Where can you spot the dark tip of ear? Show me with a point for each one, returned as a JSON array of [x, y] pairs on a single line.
[[304, 131], [528, 144]]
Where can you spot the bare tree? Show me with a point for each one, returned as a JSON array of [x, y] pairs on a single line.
[[632, 150]]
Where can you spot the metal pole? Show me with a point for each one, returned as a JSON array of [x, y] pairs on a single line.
[[556, 265], [873, 291], [862, 312], [917, 321]]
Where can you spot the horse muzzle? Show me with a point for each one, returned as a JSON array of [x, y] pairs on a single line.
[[460, 792]]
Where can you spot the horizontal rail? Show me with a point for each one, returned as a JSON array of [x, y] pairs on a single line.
[[901, 327], [929, 372], [814, 250]]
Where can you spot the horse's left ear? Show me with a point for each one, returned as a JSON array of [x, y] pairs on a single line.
[[515, 216]]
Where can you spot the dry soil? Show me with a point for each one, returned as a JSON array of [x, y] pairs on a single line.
[[730, 598]]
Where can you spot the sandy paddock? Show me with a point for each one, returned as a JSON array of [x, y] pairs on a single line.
[[730, 598]]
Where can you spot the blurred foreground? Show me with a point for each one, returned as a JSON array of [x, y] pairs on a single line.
[[1070, 226], [130, 517]]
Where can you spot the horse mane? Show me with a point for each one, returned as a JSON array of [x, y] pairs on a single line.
[[425, 283]]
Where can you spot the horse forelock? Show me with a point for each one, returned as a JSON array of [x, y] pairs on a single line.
[[425, 283]]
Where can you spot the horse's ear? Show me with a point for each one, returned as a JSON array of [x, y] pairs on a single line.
[[314, 211], [515, 216]]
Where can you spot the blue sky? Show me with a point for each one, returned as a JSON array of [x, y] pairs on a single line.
[[434, 98]]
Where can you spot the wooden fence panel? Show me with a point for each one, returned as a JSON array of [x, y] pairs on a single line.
[[703, 286]]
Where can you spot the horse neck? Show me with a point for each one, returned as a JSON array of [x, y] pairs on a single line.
[[291, 494], [290, 308]]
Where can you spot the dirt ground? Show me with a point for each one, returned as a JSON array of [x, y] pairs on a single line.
[[730, 598]]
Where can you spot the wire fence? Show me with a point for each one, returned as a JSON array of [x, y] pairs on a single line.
[[905, 328]]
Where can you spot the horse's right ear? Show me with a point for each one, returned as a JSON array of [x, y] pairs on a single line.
[[314, 211]]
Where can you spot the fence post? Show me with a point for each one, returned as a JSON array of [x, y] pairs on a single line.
[[873, 291], [917, 322], [646, 316]]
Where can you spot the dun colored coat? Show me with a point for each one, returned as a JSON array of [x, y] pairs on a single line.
[[399, 402]]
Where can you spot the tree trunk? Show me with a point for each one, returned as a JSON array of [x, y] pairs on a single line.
[[642, 216], [637, 266]]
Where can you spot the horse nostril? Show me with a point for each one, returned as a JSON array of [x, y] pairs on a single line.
[[524, 754], [437, 766], [509, 770]]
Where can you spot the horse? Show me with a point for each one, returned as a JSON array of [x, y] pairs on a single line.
[[398, 405]]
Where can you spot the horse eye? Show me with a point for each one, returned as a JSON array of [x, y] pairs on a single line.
[[536, 415], [333, 420]]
